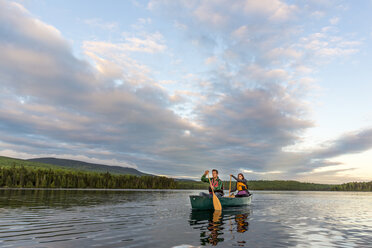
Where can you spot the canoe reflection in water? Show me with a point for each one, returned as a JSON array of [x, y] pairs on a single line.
[[213, 224]]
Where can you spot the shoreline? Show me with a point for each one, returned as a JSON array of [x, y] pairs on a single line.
[[175, 190]]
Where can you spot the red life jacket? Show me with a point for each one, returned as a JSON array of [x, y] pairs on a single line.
[[215, 184]]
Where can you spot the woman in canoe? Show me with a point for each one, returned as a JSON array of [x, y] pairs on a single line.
[[241, 186]]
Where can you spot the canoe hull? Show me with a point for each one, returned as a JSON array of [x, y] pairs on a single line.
[[204, 203]]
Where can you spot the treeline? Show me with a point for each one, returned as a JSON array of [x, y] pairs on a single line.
[[286, 185], [353, 186], [192, 185], [259, 185], [283, 185], [36, 177], [295, 185], [22, 177]]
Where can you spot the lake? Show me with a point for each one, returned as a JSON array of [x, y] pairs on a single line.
[[163, 218]]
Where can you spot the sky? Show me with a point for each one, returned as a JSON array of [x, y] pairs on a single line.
[[274, 89]]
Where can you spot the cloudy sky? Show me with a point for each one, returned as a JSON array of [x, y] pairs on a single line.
[[274, 89]]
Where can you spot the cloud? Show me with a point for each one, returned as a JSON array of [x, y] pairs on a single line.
[[326, 45], [323, 160], [353, 142], [218, 13], [256, 92], [35, 31], [35, 58], [211, 60], [99, 23], [179, 25], [149, 43], [334, 20], [247, 129], [239, 110], [273, 9], [67, 101]]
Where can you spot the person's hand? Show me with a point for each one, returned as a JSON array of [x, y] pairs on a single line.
[[206, 172], [212, 187], [231, 175]]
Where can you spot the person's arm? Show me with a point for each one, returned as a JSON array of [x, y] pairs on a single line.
[[238, 180], [246, 183], [204, 178]]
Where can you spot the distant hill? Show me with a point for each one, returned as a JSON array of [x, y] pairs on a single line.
[[78, 174], [10, 162], [84, 166]]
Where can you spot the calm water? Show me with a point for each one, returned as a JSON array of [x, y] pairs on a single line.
[[76, 218]]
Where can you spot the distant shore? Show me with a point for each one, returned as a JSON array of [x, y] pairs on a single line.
[[286, 185], [16, 173], [167, 190]]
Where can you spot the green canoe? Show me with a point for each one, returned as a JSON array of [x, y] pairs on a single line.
[[203, 202]]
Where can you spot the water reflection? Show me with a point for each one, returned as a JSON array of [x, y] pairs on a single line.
[[214, 224], [112, 218], [241, 222], [66, 198]]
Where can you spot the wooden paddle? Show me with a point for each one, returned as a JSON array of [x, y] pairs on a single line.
[[230, 187], [231, 196], [216, 216], [216, 202]]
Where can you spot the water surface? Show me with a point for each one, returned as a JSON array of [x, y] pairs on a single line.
[[127, 218]]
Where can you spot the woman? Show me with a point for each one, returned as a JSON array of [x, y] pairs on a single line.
[[241, 186]]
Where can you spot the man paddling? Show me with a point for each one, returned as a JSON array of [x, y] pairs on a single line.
[[216, 184]]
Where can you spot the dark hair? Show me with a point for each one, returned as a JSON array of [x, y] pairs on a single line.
[[241, 174], [215, 170]]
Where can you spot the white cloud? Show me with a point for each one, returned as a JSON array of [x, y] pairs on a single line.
[[147, 43], [243, 106], [99, 23], [325, 46], [180, 26], [207, 14], [274, 10], [334, 20], [318, 14], [241, 33], [141, 23], [211, 60]]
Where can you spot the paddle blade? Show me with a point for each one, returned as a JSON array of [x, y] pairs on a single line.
[[216, 203], [217, 216]]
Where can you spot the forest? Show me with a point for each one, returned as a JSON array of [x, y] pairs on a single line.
[[283, 185], [260, 185], [22, 177], [16, 173], [353, 186]]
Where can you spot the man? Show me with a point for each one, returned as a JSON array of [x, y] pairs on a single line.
[[216, 184]]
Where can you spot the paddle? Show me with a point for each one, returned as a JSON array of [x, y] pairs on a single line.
[[216, 202], [231, 196], [230, 187], [216, 216]]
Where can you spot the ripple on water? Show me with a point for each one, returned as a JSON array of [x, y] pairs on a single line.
[[164, 219]]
